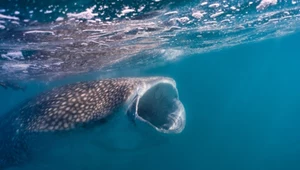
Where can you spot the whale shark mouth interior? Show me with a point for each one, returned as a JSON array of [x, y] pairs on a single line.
[[160, 107]]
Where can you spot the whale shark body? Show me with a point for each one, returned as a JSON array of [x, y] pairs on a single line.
[[82, 120]]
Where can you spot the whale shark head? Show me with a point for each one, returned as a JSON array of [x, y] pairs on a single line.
[[151, 114], [156, 103]]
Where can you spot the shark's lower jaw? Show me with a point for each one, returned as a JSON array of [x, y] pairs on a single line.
[[157, 104]]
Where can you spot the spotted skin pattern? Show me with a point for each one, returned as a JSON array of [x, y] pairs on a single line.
[[59, 110], [65, 107]]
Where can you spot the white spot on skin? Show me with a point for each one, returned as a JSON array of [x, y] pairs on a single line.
[[66, 125], [70, 118], [65, 116]]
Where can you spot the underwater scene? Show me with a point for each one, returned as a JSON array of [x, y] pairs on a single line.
[[149, 84]]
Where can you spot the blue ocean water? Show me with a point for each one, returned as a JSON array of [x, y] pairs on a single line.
[[242, 104]]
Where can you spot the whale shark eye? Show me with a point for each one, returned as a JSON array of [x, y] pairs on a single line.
[[160, 107]]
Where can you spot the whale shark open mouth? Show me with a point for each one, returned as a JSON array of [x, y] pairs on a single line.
[[158, 105]]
